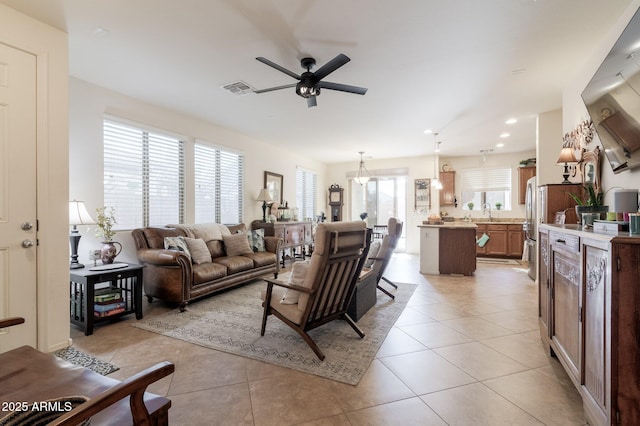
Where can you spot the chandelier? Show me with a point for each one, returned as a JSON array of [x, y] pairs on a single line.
[[363, 174], [435, 183]]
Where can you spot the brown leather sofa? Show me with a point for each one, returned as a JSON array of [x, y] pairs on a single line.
[[172, 276]]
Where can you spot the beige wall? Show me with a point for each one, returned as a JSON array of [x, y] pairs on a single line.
[[49, 46], [89, 104]]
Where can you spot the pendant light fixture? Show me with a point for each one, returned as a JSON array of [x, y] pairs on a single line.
[[435, 183], [363, 174]]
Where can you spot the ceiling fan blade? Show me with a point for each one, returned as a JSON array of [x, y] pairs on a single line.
[[331, 66], [311, 102], [278, 67], [343, 87], [271, 89]]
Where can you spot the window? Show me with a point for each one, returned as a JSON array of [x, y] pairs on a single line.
[[306, 194], [143, 176], [219, 183], [484, 186]]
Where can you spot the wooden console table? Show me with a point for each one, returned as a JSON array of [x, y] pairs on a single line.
[[295, 235], [126, 280]]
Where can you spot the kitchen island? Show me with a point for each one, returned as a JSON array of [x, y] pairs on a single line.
[[448, 248]]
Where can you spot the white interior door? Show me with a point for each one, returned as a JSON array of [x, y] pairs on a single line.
[[18, 238]]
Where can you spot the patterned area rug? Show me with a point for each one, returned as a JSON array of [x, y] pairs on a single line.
[[82, 359], [231, 321]]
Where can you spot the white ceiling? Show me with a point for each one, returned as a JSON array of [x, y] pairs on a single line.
[[460, 67]]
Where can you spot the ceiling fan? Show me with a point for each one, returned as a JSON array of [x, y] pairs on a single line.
[[310, 83]]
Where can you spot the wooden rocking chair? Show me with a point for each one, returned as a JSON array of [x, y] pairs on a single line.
[[329, 283]]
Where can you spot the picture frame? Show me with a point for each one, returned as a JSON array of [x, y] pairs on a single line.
[[273, 183], [422, 195]]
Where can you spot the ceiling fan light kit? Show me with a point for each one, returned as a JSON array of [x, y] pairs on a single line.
[[310, 83]]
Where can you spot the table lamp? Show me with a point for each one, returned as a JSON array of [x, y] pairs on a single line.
[[566, 157], [78, 215], [264, 197]]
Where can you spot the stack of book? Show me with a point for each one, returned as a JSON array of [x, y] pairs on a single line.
[[108, 302]]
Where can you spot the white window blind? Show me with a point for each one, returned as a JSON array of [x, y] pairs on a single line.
[[306, 193], [219, 185], [486, 179], [143, 176]]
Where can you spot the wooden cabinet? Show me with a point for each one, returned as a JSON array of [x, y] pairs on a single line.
[[544, 290], [296, 236], [594, 320], [524, 174], [457, 250], [505, 240], [448, 191], [565, 301], [555, 198]]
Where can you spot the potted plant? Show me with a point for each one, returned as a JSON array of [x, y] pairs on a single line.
[[105, 220], [593, 201], [470, 205], [498, 206]]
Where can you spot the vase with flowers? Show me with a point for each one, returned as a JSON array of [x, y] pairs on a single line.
[[105, 220]]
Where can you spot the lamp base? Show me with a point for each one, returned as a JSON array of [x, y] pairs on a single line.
[[76, 265], [566, 174]]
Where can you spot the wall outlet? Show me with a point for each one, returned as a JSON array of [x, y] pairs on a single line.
[[94, 254]]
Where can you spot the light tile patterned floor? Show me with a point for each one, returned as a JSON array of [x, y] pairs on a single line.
[[466, 351]]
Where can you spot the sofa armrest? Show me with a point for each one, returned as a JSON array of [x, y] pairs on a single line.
[[163, 257], [273, 244]]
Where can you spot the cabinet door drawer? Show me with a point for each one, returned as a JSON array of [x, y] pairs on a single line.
[[566, 241]]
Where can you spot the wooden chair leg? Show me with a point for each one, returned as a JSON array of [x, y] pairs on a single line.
[[391, 283], [386, 292], [353, 325], [266, 303]]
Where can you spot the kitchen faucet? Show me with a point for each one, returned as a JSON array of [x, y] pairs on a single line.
[[484, 209]]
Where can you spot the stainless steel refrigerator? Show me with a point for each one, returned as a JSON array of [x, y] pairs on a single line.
[[530, 227]]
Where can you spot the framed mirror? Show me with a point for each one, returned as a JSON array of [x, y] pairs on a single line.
[[273, 183], [589, 166]]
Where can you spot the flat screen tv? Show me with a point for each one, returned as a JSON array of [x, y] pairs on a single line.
[[612, 98]]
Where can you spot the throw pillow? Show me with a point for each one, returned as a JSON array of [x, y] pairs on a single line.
[[199, 250], [236, 244], [256, 240], [298, 272], [177, 244], [373, 252]]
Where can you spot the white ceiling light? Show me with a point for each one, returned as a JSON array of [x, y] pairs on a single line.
[[428, 131], [435, 183], [511, 121], [505, 135], [363, 174], [499, 145]]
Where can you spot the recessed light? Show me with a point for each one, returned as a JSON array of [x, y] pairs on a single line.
[[505, 135], [428, 131], [499, 145], [101, 32], [511, 121]]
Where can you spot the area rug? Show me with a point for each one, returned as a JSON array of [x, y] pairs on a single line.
[[231, 321], [82, 359]]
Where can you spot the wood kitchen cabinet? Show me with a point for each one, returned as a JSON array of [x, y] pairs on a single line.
[[515, 235], [505, 240], [457, 250], [594, 320], [524, 174], [448, 191]]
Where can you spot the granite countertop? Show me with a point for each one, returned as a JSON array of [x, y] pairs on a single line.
[[455, 224]]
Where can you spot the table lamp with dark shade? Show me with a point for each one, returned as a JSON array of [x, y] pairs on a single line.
[[78, 215], [264, 197]]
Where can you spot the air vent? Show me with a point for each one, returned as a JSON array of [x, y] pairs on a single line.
[[238, 88]]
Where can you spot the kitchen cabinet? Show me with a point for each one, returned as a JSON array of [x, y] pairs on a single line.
[[448, 191], [544, 291], [555, 198], [524, 174], [565, 301], [505, 240], [457, 251], [594, 320]]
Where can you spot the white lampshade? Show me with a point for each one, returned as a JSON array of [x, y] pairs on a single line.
[[264, 195], [78, 214]]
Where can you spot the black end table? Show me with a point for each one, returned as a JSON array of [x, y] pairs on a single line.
[[127, 280]]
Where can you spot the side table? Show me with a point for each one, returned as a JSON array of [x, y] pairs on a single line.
[[126, 280]]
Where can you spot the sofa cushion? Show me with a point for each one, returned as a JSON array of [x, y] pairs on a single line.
[[262, 258], [256, 240], [177, 244], [216, 248], [205, 272], [235, 264], [155, 236], [198, 249], [298, 272], [236, 244]]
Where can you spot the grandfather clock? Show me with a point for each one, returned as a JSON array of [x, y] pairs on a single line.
[[335, 201]]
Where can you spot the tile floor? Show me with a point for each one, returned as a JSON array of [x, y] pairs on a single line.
[[466, 351]]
